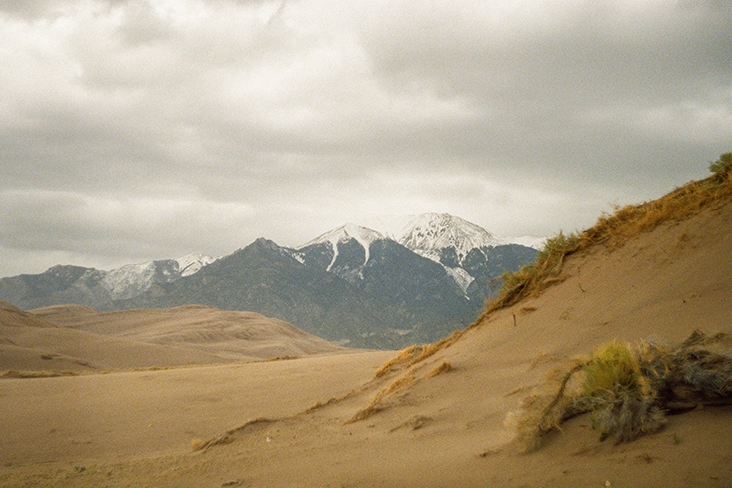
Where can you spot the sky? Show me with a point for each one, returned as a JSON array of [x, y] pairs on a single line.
[[133, 130]]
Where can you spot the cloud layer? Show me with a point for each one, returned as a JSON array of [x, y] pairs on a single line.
[[141, 129]]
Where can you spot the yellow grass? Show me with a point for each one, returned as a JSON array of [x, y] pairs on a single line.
[[405, 356], [377, 403], [443, 367]]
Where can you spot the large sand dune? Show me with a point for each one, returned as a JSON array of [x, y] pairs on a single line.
[[227, 334], [441, 421]]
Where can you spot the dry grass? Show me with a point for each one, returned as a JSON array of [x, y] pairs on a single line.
[[430, 349], [36, 374], [627, 389], [281, 358], [377, 403], [443, 367], [417, 353], [404, 357], [228, 436], [614, 230]]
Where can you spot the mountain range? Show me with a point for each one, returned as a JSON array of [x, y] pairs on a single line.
[[415, 280]]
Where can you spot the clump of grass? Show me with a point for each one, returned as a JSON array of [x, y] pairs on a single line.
[[627, 390], [621, 398], [614, 230]]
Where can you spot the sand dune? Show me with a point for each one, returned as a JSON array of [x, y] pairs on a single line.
[[226, 334], [439, 421], [30, 343]]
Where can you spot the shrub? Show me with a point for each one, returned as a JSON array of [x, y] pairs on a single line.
[[627, 390], [722, 166]]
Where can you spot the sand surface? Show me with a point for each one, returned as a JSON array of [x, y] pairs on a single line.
[[135, 428]]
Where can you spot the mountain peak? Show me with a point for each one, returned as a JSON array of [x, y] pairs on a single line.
[[363, 235], [429, 232]]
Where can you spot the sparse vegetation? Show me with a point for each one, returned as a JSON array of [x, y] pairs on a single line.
[[37, 374], [537, 276], [405, 356], [614, 230], [377, 403], [628, 389], [417, 353]]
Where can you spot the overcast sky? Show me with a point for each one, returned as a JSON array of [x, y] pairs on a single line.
[[149, 129]]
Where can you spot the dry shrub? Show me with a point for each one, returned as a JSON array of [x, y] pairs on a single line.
[[614, 230], [627, 390]]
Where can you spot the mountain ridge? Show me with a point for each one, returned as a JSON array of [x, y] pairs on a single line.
[[352, 285]]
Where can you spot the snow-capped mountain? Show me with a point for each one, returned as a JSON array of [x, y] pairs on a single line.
[[470, 255], [389, 284], [133, 279], [96, 288], [363, 235], [428, 234]]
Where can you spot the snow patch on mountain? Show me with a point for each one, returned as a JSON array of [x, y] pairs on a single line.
[[130, 280], [133, 279], [192, 263], [461, 277], [363, 235]]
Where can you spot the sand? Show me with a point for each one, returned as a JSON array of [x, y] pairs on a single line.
[[136, 428]]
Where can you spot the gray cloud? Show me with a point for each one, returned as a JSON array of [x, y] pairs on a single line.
[[141, 129]]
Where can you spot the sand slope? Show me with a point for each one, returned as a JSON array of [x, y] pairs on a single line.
[[447, 429]]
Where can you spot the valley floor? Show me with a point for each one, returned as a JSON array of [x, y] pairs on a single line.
[[138, 429]]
